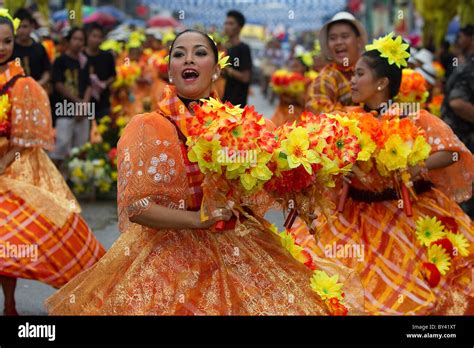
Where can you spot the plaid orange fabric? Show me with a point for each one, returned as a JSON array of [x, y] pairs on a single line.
[[331, 90], [172, 107], [391, 258], [51, 254]]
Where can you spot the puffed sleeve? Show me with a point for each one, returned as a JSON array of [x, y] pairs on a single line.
[[31, 115], [456, 180], [151, 168]]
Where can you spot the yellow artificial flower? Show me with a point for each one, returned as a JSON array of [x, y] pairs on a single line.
[[420, 151], [325, 286], [78, 173], [296, 148], [250, 176], [367, 147], [223, 60], [104, 186], [395, 153], [392, 49], [311, 75], [79, 188], [429, 230], [105, 120], [113, 175], [288, 243], [4, 107], [440, 258], [206, 153], [102, 128], [121, 121], [459, 242]]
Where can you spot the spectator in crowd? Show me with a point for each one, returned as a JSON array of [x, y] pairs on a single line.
[[101, 70], [72, 86], [239, 74], [33, 57]]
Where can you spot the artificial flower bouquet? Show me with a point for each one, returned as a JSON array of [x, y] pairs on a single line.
[[232, 148], [5, 107], [309, 157], [127, 74], [412, 88], [434, 106], [392, 145], [93, 169], [287, 82]]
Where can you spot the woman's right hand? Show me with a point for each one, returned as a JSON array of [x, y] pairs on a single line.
[[220, 214]]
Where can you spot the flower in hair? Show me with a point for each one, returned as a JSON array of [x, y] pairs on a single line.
[[394, 49], [15, 22]]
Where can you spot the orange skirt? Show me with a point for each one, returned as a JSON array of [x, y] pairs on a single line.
[[378, 241], [33, 247]]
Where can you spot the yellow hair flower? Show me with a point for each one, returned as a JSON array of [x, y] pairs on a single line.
[[15, 22], [459, 242], [420, 151], [429, 230], [223, 60], [325, 286], [392, 49], [440, 258]]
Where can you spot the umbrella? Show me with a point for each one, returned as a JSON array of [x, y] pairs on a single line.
[[161, 21], [113, 11], [136, 22], [61, 15], [101, 18]]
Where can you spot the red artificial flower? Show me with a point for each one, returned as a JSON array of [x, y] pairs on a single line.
[[431, 273], [449, 223], [336, 307], [446, 244]]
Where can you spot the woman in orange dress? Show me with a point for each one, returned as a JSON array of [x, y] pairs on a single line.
[[42, 235], [166, 261], [396, 271]]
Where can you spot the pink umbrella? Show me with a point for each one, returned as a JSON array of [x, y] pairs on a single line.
[[161, 21], [104, 19]]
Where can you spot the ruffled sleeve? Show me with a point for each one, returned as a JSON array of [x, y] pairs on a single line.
[[150, 167], [456, 180], [31, 115]]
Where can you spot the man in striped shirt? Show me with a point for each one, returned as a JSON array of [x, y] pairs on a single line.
[[342, 40]]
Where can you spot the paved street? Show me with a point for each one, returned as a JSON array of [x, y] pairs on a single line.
[[102, 218]]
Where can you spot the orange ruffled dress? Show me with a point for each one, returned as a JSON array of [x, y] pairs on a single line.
[[42, 234], [182, 272], [391, 270]]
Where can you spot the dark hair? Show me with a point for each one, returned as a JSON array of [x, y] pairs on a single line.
[[95, 26], [345, 21], [468, 30], [5, 20], [382, 68], [211, 42], [239, 17], [24, 15], [300, 59], [72, 31]]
